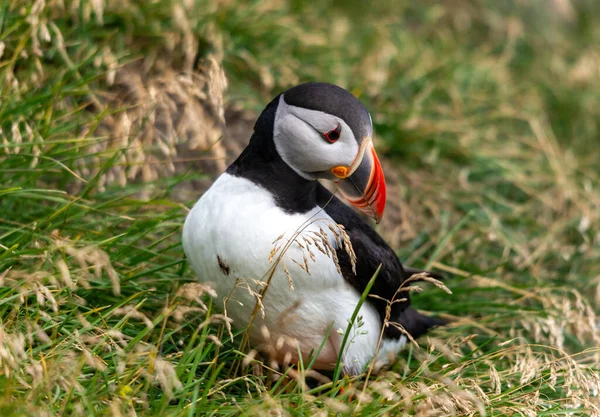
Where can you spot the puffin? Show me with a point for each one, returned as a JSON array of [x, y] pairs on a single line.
[[288, 258]]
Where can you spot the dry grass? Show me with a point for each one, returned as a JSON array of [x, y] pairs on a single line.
[[487, 113]]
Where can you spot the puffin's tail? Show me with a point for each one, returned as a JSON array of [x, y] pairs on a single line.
[[417, 324]]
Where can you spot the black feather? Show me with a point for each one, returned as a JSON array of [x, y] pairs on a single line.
[[371, 251], [417, 324]]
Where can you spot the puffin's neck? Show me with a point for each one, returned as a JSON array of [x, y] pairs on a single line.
[[261, 164]]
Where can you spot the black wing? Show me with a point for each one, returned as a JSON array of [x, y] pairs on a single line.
[[371, 251]]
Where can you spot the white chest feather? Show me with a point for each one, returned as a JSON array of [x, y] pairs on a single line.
[[236, 238]]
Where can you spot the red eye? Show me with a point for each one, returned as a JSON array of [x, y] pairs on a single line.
[[333, 135]]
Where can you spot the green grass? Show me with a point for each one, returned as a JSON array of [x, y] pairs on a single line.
[[487, 112]]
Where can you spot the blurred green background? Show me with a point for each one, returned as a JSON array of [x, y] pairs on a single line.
[[116, 115]]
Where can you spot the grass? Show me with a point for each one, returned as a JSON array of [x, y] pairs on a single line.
[[487, 113]]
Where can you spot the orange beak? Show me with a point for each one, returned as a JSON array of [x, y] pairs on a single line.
[[363, 183]]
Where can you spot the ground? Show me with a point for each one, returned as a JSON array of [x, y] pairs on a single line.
[[115, 115]]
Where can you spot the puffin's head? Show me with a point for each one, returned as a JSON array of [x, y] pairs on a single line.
[[323, 132]]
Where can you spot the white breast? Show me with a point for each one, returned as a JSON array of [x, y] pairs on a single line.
[[230, 236]]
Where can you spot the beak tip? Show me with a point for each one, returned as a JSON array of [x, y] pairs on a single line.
[[378, 215], [366, 188]]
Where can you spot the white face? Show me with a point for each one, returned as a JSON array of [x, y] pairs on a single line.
[[298, 134]]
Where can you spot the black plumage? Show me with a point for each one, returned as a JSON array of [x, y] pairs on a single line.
[[261, 164], [371, 251], [334, 100]]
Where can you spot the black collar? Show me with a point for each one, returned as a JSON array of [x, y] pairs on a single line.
[[261, 164]]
